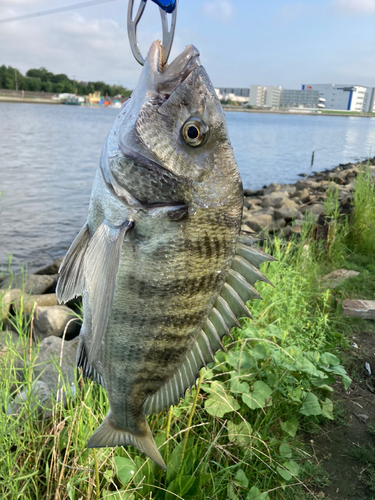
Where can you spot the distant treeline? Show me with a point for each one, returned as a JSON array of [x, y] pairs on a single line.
[[39, 80]]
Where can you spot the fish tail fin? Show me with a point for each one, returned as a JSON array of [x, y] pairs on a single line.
[[108, 435]]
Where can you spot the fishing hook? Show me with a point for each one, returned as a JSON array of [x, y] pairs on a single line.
[[165, 6]]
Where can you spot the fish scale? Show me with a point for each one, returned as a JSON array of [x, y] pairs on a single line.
[[161, 263]]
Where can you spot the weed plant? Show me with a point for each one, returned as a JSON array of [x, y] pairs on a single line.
[[235, 435]]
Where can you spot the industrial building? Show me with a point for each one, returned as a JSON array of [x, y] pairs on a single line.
[[302, 99], [261, 96], [345, 97], [240, 95]]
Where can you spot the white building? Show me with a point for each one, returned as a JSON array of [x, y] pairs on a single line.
[[344, 97], [240, 95], [262, 96]]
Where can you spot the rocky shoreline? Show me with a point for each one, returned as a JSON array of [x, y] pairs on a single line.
[[277, 209]]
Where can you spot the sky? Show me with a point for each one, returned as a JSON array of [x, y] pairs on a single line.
[[241, 42]]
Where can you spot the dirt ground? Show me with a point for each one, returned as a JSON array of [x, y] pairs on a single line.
[[345, 447]]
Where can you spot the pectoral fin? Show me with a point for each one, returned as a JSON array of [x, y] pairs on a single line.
[[71, 279], [100, 271]]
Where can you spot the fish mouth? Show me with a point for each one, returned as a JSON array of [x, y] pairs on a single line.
[[167, 77]]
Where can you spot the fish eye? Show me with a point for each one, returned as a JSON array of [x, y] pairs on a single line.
[[194, 131]]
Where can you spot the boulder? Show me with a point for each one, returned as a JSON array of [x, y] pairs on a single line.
[[31, 283], [287, 203], [51, 321], [303, 195], [53, 375], [285, 232], [274, 199], [276, 225], [52, 268], [288, 213], [333, 279], [259, 222], [307, 184], [29, 302], [7, 299], [316, 209], [263, 211], [272, 188]]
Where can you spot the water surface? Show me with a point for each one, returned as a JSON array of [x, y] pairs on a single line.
[[49, 155]]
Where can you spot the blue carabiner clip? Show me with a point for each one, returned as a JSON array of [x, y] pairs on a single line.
[[167, 5]]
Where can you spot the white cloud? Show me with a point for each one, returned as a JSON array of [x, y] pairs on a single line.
[[290, 13], [360, 7], [221, 11]]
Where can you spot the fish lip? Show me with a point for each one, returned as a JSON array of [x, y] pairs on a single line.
[[166, 78]]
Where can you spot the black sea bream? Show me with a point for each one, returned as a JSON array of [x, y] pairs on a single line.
[[161, 263]]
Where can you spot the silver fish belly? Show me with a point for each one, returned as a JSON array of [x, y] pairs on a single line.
[[161, 264]]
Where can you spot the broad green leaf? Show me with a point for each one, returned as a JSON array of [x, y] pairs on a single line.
[[237, 386], [185, 483], [324, 383], [313, 356], [125, 469], [173, 463], [241, 479], [329, 359], [295, 394], [220, 401], [290, 426], [285, 474], [302, 364], [327, 409], [311, 405], [259, 351], [260, 397], [292, 467], [255, 494], [285, 451], [240, 360], [346, 381], [239, 434]]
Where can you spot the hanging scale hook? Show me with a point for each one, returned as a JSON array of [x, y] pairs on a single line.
[[165, 6]]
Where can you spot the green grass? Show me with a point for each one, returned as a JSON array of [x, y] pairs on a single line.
[[236, 436]]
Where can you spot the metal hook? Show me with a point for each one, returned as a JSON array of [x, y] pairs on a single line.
[[168, 35]]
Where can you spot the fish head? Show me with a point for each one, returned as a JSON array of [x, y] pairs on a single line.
[[175, 118]]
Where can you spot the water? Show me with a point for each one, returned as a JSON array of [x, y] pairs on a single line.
[[49, 155]]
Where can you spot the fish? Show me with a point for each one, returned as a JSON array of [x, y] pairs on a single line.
[[161, 263]]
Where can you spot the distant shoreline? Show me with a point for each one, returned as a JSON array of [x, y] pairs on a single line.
[[236, 109], [295, 112]]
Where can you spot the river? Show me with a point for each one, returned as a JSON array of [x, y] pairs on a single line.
[[49, 155]]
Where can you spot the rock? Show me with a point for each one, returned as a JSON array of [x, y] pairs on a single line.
[[276, 225], [338, 177], [287, 203], [29, 302], [288, 213], [259, 222], [263, 211], [336, 277], [53, 320], [272, 188], [7, 299], [359, 308], [8, 337], [302, 195], [316, 209], [31, 283], [52, 268], [53, 373], [251, 192], [296, 229], [285, 232], [307, 184], [274, 199]]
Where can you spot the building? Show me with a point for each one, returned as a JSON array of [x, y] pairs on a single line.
[[302, 99], [344, 97], [261, 96], [240, 95]]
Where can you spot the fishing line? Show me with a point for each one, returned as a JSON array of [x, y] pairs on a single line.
[[54, 11]]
